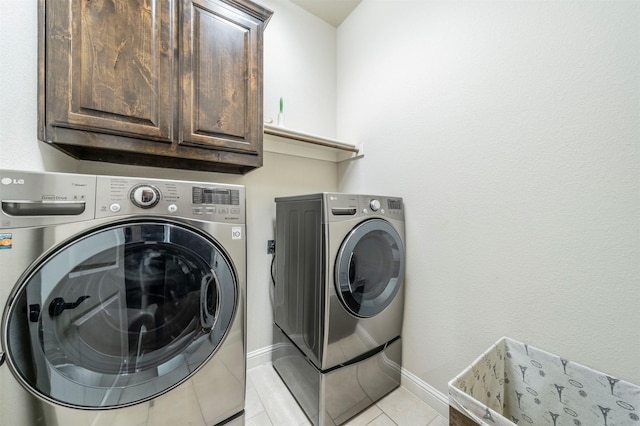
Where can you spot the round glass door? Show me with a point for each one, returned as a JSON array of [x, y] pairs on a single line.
[[121, 315], [369, 268]]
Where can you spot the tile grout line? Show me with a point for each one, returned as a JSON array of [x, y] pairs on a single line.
[[383, 414], [264, 407]]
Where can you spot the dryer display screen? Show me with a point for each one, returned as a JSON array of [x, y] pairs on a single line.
[[394, 204]]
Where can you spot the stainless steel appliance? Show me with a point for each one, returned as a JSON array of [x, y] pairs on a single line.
[[338, 301], [124, 300]]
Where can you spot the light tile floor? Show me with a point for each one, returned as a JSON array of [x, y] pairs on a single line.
[[269, 403]]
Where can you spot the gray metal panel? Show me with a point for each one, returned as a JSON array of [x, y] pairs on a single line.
[[299, 291], [298, 373], [347, 391], [333, 397]]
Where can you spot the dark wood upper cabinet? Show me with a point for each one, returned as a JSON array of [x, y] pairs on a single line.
[[168, 83], [220, 70]]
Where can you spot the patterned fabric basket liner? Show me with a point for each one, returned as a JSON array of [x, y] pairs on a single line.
[[513, 383]]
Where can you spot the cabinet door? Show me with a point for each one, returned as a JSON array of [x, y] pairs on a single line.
[[221, 64], [110, 67]]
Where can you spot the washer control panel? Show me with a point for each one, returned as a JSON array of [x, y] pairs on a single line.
[[37, 198], [197, 200]]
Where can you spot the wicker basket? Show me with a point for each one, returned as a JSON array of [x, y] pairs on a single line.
[[513, 383], [456, 418]]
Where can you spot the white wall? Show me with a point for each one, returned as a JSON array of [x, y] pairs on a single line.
[[300, 67], [304, 76], [19, 148], [512, 130]]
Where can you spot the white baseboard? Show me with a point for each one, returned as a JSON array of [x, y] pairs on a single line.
[[259, 357], [425, 392], [411, 382]]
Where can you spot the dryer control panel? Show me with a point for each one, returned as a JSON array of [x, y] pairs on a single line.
[[347, 206]]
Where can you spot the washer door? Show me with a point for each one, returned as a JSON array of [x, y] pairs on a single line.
[[120, 315], [369, 268]]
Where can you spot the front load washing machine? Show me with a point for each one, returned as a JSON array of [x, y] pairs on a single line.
[[338, 300], [124, 300]]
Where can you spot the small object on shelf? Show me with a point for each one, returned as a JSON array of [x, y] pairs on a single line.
[[281, 114]]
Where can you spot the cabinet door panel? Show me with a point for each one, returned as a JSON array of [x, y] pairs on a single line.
[[220, 63], [111, 66]]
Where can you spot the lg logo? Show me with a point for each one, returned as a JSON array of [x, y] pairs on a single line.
[[9, 181]]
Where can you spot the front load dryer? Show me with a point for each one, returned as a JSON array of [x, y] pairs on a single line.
[[338, 300], [124, 300]]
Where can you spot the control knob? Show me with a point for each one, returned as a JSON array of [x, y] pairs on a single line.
[[374, 204], [145, 196]]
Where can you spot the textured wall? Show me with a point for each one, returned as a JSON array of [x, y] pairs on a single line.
[[512, 130]]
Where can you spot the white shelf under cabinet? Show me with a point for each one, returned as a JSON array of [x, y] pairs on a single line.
[[292, 142]]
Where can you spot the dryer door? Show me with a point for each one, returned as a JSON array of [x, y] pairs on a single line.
[[121, 315], [369, 268]]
